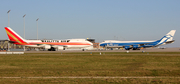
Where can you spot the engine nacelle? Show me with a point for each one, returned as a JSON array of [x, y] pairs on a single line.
[[60, 48], [135, 46], [127, 47], [47, 46]]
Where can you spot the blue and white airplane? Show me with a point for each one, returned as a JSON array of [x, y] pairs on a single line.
[[137, 45]]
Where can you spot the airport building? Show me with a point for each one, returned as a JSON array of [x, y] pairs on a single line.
[[5, 44], [95, 45]]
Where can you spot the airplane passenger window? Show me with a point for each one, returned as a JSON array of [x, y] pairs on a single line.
[[63, 41]]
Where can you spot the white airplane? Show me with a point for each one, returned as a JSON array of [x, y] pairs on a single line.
[[50, 45], [137, 45]]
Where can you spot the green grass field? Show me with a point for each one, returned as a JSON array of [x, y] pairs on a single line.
[[108, 64]]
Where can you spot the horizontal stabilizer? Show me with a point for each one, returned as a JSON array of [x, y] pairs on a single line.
[[170, 42]]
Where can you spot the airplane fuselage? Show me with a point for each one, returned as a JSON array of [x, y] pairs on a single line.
[[68, 44], [49, 44], [136, 45]]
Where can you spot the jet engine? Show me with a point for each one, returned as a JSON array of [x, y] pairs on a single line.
[[136, 47], [60, 48], [127, 47], [47, 47]]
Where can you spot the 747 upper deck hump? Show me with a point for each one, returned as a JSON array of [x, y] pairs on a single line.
[[137, 45]]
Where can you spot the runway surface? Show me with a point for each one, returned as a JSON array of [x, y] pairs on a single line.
[[92, 77], [142, 50]]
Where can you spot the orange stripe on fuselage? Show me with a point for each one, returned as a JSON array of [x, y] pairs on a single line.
[[61, 43]]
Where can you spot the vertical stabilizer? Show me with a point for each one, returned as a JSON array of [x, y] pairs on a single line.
[[170, 35], [14, 37], [167, 38]]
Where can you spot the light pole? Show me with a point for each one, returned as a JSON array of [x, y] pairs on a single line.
[[8, 26], [8, 18], [37, 28], [24, 30], [24, 25]]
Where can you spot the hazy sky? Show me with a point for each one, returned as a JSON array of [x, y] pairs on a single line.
[[98, 19]]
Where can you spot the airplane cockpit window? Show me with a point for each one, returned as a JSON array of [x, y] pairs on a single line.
[[68, 40]]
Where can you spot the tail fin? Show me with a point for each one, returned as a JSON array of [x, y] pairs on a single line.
[[14, 37], [168, 38]]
